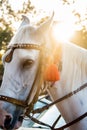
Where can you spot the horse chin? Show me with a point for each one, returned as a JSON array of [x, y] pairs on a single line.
[[18, 124]]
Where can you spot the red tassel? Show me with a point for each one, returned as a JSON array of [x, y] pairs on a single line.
[[52, 73]]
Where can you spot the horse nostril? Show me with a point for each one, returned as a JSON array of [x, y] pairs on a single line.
[[7, 121], [20, 118], [1, 127]]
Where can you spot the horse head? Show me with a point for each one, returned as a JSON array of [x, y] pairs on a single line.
[[23, 73], [29, 61]]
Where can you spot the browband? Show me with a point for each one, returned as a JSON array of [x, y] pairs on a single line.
[[25, 46], [8, 57]]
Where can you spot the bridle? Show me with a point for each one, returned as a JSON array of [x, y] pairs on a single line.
[[29, 107], [8, 58], [39, 110]]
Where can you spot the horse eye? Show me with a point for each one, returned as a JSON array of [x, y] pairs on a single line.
[[27, 63]]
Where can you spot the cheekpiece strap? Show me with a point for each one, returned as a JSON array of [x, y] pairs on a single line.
[[13, 101]]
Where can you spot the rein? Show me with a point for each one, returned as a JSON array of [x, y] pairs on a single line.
[[39, 110], [25, 104]]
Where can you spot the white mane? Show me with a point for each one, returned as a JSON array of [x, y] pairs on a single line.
[[73, 75], [74, 66]]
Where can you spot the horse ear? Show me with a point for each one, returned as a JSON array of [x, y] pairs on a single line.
[[46, 25], [25, 21]]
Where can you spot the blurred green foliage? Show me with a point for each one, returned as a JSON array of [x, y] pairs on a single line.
[[5, 36]]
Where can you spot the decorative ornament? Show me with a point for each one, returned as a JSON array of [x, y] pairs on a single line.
[[51, 73]]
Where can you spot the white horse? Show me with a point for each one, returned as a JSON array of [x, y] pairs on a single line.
[[30, 51]]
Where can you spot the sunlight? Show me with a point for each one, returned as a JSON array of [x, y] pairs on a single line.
[[63, 32], [16, 5], [2, 52], [65, 29]]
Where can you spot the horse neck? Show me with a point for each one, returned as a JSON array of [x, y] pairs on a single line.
[[73, 75], [74, 66]]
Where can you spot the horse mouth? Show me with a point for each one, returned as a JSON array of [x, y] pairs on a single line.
[[10, 124]]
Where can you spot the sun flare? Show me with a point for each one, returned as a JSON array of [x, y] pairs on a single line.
[[66, 28], [63, 32]]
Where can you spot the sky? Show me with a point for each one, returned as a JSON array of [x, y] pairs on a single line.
[[16, 4], [49, 5], [62, 13]]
